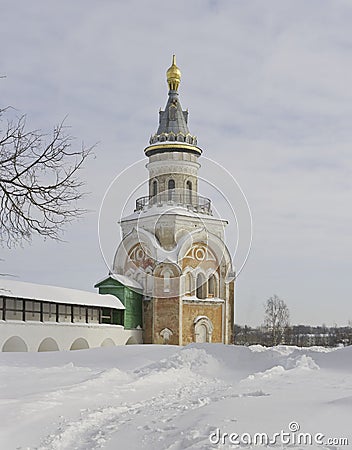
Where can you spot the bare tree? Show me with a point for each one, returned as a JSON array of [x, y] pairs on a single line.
[[277, 319], [39, 183]]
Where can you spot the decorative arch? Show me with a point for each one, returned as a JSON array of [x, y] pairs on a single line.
[[15, 344], [175, 269], [138, 258], [48, 345], [79, 344], [138, 253], [142, 237], [131, 341], [189, 138], [180, 137], [203, 329], [108, 342], [166, 279], [213, 243], [166, 334]]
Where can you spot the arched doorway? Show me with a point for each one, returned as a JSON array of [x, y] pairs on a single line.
[[201, 333], [203, 329]]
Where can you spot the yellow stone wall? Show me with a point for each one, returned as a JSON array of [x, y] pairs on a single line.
[[148, 321], [191, 311], [166, 315]]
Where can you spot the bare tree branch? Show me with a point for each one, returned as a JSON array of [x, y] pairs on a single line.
[[39, 183]]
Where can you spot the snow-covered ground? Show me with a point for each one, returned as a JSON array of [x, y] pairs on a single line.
[[165, 397]]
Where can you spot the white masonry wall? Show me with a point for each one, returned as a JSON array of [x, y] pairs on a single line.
[[38, 336]]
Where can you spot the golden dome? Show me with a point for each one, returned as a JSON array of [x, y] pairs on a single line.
[[173, 75]]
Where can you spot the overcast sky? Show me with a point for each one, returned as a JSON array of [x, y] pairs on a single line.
[[268, 87]]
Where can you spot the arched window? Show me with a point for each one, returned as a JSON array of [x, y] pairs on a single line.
[[149, 281], [170, 189], [154, 188], [166, 281], [188, 284], [212, 286], [201, 286], [189, 192]]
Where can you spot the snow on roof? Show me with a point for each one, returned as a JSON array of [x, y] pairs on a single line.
[[31, 291], [126, 281]]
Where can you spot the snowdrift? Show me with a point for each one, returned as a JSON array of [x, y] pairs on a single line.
[[165, 397]]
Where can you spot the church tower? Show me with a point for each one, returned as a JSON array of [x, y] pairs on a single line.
[[172, 245]]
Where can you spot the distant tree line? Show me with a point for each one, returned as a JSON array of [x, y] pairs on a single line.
[[299, 335], [276, 330]]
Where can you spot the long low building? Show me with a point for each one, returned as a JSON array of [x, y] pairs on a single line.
[[35, 317]]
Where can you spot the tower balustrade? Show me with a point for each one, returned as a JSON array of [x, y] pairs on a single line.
[[193, 202]]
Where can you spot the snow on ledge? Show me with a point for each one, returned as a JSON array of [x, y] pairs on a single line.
[[193, 298]]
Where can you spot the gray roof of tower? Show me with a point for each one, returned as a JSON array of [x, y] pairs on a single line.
[[173, 128], [173, 118], [173, 123]]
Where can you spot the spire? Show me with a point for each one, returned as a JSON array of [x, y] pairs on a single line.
[[173, 75], [173, 128]]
